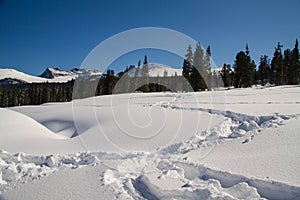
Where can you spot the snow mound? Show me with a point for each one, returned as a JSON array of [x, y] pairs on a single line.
[[19, 131], [22, 127]]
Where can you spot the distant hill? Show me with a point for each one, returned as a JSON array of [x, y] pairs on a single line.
[[51, 75], [159, 70]]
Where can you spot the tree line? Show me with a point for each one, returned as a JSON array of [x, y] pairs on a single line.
[[283, 68], [83, 87], [197, 75], [34, 93]]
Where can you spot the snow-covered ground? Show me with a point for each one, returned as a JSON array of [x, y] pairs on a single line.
[[230, 144]]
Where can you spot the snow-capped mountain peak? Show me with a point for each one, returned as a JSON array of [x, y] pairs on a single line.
[[51, 75], [12, 74], [163, 70], [160, 70], [55, 72]]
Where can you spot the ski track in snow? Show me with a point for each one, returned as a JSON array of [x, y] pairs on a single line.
[[147, 175]]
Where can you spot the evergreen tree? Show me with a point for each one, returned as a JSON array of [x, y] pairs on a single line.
[[165, 73], [15, 96], [145, 75], [264, 70], [288, 67], [198, 71], [110, 81], [189, 54], [226, 75], [277, 67], [207, 67], [244, 69], [136, 76], [45, 93], [145, 68], [295, 65], [187, 68]]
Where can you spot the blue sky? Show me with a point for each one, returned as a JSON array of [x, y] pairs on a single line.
[[60, 33]]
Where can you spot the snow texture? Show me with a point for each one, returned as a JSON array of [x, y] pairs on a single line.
[[226, 144]]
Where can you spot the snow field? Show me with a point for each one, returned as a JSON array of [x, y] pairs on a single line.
[[233, 144]]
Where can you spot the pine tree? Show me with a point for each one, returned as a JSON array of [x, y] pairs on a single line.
[[295, 64], [45, 93], [136, 76], [244, 69], [145, 68], [198, 71], [226, 75], [165, 73], [264, 70], [145, 75], [277, 67], [189, 55], [288, 67], [207, 67], [187, 68]]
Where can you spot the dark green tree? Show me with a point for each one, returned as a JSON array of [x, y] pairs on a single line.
[[264, 70], [295, 65], [244, 69], [226, 75], [288, 67], [198, 71], [145, 76], [187, 68], [207, 67], [277, 66], [137, 72]]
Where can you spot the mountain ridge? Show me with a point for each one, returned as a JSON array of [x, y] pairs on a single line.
[[51, 75], [56, 75]]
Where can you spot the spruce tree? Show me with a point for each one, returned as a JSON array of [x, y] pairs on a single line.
[[277, 67], [198, 71], [226, 75], [207, 67], [145, 75], [264, 70], [189, 54], [136, 76], [187, 68], [244, 69], [295, 64], [288, 67]]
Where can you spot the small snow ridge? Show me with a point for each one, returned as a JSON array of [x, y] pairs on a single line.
[[234, 183], [22, 167]]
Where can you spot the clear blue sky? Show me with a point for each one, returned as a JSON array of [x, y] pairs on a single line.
[[35, 34]]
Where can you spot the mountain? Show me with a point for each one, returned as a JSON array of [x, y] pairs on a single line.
[[13, 76], [159, 70], [51, 75], [54, 73]]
